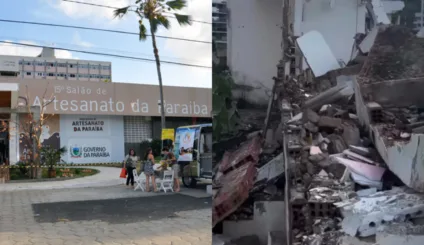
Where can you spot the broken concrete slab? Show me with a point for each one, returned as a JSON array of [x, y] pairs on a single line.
[[311, 168], [271, 170], [361, 180], [311, 127], [310, 116], [337, 144], [329, 96], [330, 122], [322, 225], [400, 233], [368, 171], [297, 196], [351, 134], [356, 157], [363, 151], [409, 153], [349, 240], [364, 215], [366, 192]]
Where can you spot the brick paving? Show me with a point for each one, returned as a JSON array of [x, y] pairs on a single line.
[[18, 225]]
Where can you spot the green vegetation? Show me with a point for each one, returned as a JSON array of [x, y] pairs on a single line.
[[157, 13], [20, 173], [225, 114]]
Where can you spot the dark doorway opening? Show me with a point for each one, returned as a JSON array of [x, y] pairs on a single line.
[[4, 139]]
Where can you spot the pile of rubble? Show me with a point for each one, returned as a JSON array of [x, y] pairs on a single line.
[[342, 189]]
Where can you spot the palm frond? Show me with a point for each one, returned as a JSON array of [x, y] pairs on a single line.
[[163, 21], [142, 31], [183, 19], [177, 4], [120, 12], [154, 23]]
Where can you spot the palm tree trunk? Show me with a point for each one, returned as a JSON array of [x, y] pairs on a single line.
[[156, 53]]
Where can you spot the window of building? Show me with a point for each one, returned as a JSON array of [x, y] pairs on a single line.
[[61, 64], [39, 74], [83, 66], [51, 64], [71, 75], [94, 67], [40, 63], [106, 67], [20, 62], [28, 73], [51, 74], [28, 63], [72, 66]]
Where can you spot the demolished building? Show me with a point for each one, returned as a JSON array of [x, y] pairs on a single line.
[[354, 159], [389, 102]]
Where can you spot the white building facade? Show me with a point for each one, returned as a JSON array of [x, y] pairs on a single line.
[[47, 66]]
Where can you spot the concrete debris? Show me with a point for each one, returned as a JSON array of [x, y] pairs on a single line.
[[363, 151], [327, 238], [366, 192], [351, 134], [364, 215], [400, 233], [349, 146], [323, 225], [311, 116], [271, 170], [330, 122]]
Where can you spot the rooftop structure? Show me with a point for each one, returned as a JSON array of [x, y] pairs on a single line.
[[47, 66]]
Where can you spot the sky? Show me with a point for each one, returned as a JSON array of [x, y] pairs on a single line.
[[123, 70]]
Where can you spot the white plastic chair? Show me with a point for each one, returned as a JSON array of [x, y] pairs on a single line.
[[167, 182], [140, 180]]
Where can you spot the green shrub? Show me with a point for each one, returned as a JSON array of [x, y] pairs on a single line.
[[156, 146], [144, 146], [77, 171]]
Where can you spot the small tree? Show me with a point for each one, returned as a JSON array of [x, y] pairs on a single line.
[[155, 11], [30, 128], [51, 156]]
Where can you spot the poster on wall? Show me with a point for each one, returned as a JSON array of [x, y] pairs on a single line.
[[168, 138], [184, 143], [50, 135], [89, 150]]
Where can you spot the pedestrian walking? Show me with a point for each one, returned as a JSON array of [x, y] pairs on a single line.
[[149, 171], [130, 161]]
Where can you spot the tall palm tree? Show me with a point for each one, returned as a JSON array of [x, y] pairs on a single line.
[[157, 13]]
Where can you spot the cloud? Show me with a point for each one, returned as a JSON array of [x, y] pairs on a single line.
[[82, 11], [201, 52], [78, 41], [16, 50]]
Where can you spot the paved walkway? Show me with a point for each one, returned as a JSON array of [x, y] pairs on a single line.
[[108, 176], [18, 224]]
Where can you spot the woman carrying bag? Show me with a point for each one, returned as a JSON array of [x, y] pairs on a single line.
[[129, 162]]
